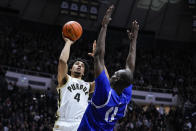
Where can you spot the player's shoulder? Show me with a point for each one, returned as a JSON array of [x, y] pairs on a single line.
[[86, 83], [80, 81], [102, 75], [64, 81]]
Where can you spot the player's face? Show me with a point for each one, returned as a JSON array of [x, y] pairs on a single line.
[[78, 68], [116, 79]]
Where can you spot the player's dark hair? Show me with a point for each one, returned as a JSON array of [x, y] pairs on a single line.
[[126, 78], [86, 71]]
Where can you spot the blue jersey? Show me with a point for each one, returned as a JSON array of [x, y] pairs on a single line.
[[106, 106]]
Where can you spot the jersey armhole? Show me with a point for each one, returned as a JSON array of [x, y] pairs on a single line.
[[101, 106], [64, 81]]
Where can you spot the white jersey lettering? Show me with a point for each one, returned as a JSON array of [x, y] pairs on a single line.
[[73, 100]]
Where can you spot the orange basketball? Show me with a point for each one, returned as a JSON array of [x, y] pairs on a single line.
[[72, 30]]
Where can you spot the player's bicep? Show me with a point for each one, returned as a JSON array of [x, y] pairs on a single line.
[[102, 91], [128, 70], [62, 71]]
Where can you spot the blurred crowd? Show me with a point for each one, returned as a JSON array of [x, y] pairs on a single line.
[[152, 118], [24, 109]]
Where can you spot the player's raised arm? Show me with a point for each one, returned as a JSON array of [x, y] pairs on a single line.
[[130, 62], [100, 47], [92, 55], [92, 84], [62, 65]]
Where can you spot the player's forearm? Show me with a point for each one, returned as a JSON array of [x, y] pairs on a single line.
[[100, 48], [65, 52], [130, 63], [106, 72]]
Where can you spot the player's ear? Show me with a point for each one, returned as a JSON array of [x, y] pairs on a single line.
[[117, 78], [82, 73]]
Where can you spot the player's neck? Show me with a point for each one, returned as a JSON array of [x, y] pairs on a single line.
[[76, 76], [118, 90]]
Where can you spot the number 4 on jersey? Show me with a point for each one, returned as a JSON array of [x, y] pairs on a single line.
[[77, 97]]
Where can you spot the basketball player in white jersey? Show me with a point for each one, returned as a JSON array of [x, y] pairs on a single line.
[[73, 91]]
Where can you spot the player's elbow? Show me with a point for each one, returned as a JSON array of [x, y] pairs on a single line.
[[62, 61], [99, 56], [98, 53], [129, 74]]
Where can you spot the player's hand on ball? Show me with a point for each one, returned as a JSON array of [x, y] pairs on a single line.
[[107, 18], [94, 49], [67, 40]]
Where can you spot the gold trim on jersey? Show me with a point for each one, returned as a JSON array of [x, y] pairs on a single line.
[[59, 99]]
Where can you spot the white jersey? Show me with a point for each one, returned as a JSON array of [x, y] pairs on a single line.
[[73, 101]]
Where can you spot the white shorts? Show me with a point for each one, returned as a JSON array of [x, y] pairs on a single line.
[[66, 126]]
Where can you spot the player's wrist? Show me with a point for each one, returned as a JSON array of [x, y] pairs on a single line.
[[69, 42], [104, 25]]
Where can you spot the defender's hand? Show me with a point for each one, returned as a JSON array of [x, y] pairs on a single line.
[[134, 30], [107, 18], [94, 49]]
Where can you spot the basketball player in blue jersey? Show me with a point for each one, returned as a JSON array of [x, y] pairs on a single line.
[[111, 97]]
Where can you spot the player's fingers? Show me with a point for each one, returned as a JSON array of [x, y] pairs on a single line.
[[65, 39], [128, 31], [132, 26], [90, 54], [135, 23], [136, 26], [94, 42], [131, 34], [94, 45], [63, 35], [111, 8]]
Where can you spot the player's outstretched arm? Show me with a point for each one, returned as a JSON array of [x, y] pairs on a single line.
[[62, 65], [92, 55], [100, 47], [130, 62], [92, 84]]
